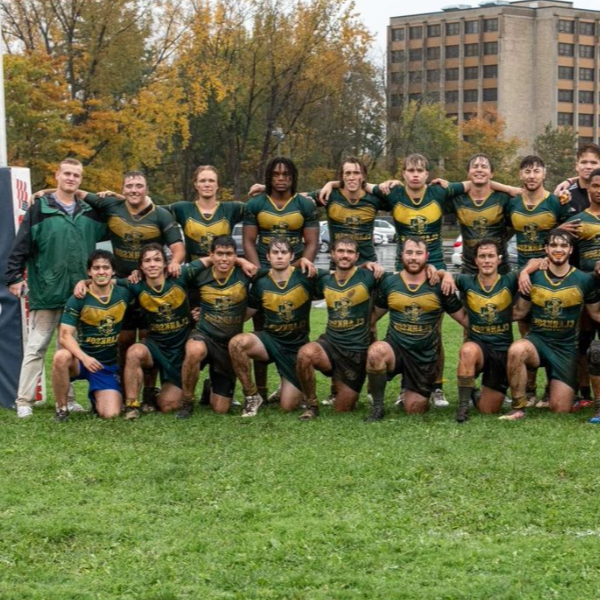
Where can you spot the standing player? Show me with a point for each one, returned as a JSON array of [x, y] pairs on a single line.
[[284, 294], [56, 236], [97, 319], [588, 159], [279, 212], [556, 301], [412, 343], [341, 351]]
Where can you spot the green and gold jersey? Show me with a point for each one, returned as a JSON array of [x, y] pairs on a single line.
[[533, 224], [223, 303], [98, 322], [354, 219], [201, 229], [489, 310], [289, 221], [589, 240], [556, 305], [415, 313], [421, 217], [167, 310], [479, 219], [128, 233], [286, 306], [348, 308]]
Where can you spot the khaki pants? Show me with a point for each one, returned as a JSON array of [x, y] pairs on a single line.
[[42, 325]]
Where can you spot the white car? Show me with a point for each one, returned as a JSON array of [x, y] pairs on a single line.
[[386, 230]]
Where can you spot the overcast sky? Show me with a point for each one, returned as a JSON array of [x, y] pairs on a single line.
[[376, 13]]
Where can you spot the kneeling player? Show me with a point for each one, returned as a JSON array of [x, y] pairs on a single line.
[[340, 353], [412, 343], [98, 318], [284, 294]]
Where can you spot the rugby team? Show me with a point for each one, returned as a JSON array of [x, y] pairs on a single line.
[[187, 307]]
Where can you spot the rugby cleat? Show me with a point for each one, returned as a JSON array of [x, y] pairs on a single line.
[[74, 407], [312, 412], [329, 401], [251, 406], [132, 413], [377, 414], [515, 415], [24, 411], [438, 399], [62, 414]]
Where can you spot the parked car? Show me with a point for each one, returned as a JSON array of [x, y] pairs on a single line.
[[236, 234], [458, 250], [386, 229]]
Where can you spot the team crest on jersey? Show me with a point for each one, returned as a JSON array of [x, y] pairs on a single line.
[[342, 307], [281, 228], [206, 241], [286, 311], [223, 303], [553, 307], [352, 222], [134, 239], [107, 325], [480, 225], [165, 310], [413, 312], [530, 231], [419, 224], [489, 312]]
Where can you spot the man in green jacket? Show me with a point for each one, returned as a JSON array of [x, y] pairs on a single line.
[[53, 243]]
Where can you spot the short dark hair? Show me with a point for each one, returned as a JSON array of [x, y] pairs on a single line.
[[595, 173], [531, 161], [101, 255], [280, 241], [289, 165], [561, 234], [153, 247], [416, 240], [589, 147], [480, 155], [133, 174], [487, 242], [345, 239], [355, 161], [223, 241]]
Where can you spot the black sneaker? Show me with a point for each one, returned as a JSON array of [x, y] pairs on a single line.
[[377, 413], [462, 415], [150, 400], [185, 412], [62, 414]]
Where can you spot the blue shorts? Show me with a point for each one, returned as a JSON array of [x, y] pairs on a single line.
[[105, 379]]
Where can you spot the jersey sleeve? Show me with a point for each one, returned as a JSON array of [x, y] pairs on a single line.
[[311, 218], [590, 291], [451, 303], [251, 213], [71, 312], [237, 213], [170, 231], [564, 211], [190, 271], [454, 189], [254, 295], [461, 281], [512, 281], [381, 299], [101, 204]]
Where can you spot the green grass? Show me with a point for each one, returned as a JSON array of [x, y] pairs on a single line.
[[217, 507]]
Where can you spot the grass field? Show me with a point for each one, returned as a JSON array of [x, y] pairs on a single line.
[[220, 507]]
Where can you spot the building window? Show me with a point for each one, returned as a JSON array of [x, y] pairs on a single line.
[[490, 95], [565, 72], [452, 74], [565, 26], [586, 74], [396, 100], [414, 97], [586, 120], [583, 139], [490, 71], [451, 97], [490, 48], [433, 75], [434, 30], [398, 35], [433, 53], [586, 97], [471, 49], [452, 28], [566, 49], [468, 117], [565, 95], [397, 77], [470, 96], [586, 51], [451, 51], [397, 56], [452, 116], [415, 54], [471, 26], [415, 76], [565, 118], [471, 72], [490, 25], [415, 33], [586, 28], [433, 96]]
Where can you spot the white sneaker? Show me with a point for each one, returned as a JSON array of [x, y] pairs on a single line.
[[73, 407], [400, 399], [24, 411], [252, 405], [329, 401], [438, 399], [39, 403]]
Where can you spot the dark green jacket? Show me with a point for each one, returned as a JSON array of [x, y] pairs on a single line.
[[54, 248]]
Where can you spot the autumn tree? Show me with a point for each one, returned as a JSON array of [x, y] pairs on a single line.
[[557, 147]]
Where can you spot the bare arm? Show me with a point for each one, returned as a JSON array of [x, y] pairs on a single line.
[[68, 342], [521, 309], [594, 311], [250, 312], [249, 237], [377, 313], [311, 241], [531, 267], [178, 251], [460, 316], [511, 190]]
